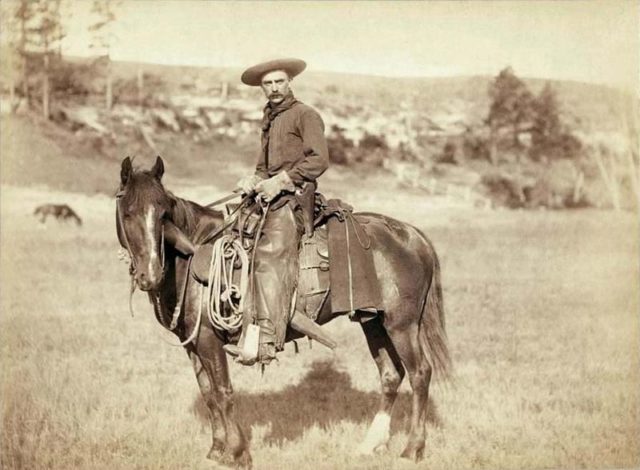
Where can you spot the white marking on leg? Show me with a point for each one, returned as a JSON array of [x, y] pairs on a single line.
[[377, 435], [150, 219]]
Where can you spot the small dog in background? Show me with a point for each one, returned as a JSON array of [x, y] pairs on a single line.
[[59, 211]]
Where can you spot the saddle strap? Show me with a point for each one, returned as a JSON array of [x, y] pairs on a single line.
[[180, 302]]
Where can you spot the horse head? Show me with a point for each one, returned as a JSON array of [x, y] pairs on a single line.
[[142, 206]]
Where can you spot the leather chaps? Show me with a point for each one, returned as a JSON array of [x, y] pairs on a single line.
[[275, 274]]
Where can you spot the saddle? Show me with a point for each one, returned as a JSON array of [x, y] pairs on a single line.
[[335, 260]]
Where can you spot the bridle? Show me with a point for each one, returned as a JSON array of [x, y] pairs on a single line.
[[123, 233], [124, 240]]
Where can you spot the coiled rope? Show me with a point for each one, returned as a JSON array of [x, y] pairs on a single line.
[[226, 251]]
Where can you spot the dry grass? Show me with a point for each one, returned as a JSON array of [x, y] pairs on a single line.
[[542, 312]]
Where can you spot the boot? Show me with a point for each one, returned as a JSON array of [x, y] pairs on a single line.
[[267, 344], [245, 351]]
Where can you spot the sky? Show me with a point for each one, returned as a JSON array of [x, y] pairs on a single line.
[[594, 41]]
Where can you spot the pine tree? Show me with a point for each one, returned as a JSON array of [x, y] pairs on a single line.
[[546, 131], [510, 112]]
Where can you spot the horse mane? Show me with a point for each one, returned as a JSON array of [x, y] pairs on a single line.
[[183, 213], [195, 220]]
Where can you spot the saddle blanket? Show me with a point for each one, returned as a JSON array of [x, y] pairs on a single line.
[[354, 281]]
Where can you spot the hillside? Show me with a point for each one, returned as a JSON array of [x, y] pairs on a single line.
[[205, 124], [592, 106]]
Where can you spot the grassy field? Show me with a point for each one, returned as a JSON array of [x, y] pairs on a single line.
[[542, 316]]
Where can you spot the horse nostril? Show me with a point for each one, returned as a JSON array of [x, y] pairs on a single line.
[[143, 280]]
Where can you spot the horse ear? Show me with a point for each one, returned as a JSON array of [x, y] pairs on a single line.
[[125, 171], [158, 169]]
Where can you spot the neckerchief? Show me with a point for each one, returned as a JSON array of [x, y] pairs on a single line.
[[270, 113]]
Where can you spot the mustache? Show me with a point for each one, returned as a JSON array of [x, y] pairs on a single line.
[[275, 95]]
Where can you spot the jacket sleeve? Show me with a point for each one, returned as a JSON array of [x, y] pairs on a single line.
[[316, 153]]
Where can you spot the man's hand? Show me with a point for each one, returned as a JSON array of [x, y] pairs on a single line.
[[248, 184], [268, 189]]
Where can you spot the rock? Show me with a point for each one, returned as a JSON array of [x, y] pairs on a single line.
[[190, 101], [215, 116], [85, 116], [128, 115], [165, 118], [192, 119], [252, 116]]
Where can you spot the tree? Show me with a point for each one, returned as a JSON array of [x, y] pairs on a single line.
[[510, 112], [16, 17], [546, 127], [103, 38], [41, 33], [619, 162]]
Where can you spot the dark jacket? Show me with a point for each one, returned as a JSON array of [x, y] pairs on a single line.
[[296, 145]]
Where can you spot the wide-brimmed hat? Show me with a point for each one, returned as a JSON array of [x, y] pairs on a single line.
[[253, 75]]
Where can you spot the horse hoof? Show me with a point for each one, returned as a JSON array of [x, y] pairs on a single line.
[[217, 451], [368, 450], [381, 449], [413, 452], [243, 461]]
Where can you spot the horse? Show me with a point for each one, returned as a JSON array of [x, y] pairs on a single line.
[[58, 211], [408, 336]]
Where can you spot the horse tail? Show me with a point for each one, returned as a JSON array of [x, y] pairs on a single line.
[[432, 335]]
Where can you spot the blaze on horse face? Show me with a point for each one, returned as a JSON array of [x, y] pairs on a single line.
[[142, 207]]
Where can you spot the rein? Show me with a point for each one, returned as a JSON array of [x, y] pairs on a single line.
[[132, 261], [229, 197]]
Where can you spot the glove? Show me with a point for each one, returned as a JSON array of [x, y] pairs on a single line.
[[270, 188], [248, 183]]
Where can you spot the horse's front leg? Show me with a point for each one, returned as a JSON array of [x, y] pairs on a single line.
[[214, 361], [206, 389]]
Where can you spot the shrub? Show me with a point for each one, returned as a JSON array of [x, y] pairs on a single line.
[[372, 142], [475, 146], [70, 79], [504, 190], [448, 154], [339, 146]]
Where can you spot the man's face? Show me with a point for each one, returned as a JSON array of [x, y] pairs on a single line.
[[275, 86]]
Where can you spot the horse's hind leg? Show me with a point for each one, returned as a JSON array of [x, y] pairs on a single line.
[[391, 374], [206, 389], [405, 339]]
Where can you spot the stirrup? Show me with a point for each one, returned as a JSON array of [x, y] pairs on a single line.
[[247, 354], [235, 351]]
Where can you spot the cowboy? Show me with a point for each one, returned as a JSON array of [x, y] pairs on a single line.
[[293, 155]]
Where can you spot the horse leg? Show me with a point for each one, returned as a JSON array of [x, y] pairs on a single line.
[[391, 375], [405, 339], [214, 361], [206, 389]]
